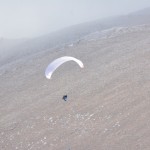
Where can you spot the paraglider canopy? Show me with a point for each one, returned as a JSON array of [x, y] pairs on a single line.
[[57, 62]]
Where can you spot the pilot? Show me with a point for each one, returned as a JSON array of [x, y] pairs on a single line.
[[65, 98]]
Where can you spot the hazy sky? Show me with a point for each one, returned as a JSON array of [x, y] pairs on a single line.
[[30, 18]]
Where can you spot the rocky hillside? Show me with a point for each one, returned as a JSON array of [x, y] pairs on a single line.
[[108, 103]]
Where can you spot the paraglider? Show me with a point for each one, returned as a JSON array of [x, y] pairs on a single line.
[[65, 97], [58, 62]]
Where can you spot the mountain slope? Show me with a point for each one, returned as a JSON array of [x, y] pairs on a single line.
[[108, 101]]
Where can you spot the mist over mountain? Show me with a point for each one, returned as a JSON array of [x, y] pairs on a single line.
[[23, 47]]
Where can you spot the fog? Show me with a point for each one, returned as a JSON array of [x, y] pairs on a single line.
[[26, 18]]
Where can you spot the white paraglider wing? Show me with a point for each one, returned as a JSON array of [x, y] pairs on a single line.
[[57, 62]]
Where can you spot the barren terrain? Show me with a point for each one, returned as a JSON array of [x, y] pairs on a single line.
[[108, 105]]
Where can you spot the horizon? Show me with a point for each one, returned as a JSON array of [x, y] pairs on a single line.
[[32, 19]]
